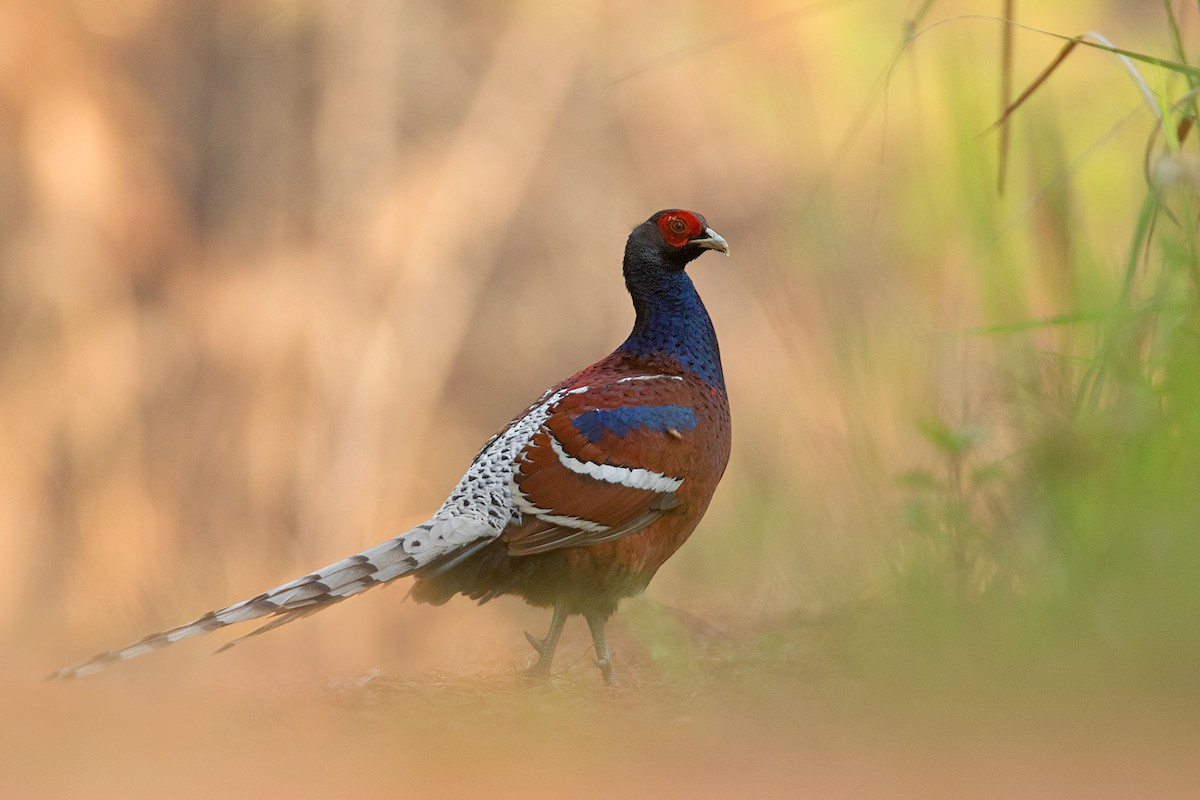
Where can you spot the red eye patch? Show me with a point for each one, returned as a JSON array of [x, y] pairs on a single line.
[[680, 227]]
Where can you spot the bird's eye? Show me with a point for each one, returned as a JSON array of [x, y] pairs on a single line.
[[679, 227]]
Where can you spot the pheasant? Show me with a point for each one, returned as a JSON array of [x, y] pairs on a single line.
[[578, 501]]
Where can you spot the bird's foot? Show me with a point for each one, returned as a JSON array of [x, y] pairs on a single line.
[[596, 623], [546, 646], [537, 671], [541, 667], [538, 644]]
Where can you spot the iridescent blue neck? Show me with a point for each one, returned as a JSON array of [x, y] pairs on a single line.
[[672, 321]]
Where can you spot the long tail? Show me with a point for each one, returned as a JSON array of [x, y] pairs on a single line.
[[429, 545]]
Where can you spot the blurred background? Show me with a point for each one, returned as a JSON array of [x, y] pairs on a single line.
[[272, 270]]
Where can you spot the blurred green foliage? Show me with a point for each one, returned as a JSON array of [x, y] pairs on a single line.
[[1070, 567]]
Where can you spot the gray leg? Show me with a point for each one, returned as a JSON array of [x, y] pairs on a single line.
[[596, 623], [545, 647]]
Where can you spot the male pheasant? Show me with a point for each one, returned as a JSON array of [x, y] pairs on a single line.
[[577, 502]]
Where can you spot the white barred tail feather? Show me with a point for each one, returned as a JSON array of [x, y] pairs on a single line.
[[476, 512], [420, 547]]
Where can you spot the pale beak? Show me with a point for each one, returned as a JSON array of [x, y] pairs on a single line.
[[712, 241]]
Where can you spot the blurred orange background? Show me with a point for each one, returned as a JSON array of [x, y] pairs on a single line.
[[270, 273]]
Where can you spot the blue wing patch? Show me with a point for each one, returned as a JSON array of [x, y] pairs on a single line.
[[620, 421]]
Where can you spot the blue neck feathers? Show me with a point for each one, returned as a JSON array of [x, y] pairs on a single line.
[[672, 321]]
